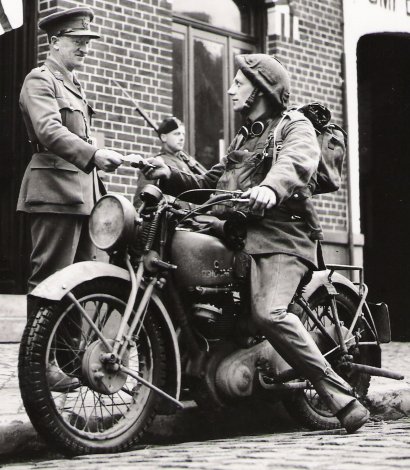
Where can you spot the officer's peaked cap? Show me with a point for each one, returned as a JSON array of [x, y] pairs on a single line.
[[71, 22], [267, 74]]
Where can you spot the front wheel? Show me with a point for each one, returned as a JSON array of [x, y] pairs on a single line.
[[90, 410], [305, 406]]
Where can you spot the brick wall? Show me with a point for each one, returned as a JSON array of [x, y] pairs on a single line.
[[135, 50], [315, 64]]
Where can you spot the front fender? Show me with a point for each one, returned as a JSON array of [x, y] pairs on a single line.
[[56, 286], [320, 278]]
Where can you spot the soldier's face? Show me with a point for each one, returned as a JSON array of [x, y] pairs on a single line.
[[240, 91], [72, 50], [174, 141]]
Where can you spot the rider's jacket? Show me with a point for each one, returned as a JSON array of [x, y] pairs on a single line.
[[61, 177], [280, 230]]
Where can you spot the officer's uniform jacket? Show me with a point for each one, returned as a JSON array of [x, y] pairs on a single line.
[[61, 177], [280, 230]]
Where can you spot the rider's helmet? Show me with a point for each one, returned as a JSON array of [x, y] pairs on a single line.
[[268, 75]]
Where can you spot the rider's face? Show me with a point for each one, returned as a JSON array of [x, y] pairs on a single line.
[[174, 141], [240, 91]]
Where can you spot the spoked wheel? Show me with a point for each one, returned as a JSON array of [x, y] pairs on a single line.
[[305, 406], [77, 402]]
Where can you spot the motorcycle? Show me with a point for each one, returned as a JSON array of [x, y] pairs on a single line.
[[167, 320]]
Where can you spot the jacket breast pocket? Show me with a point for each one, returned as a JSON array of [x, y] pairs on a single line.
[[72, 116], [54, 185]]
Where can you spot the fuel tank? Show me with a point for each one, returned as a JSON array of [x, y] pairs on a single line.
[[202, 260]]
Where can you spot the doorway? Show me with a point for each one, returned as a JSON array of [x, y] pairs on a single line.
[[384, 148], [18, 53]]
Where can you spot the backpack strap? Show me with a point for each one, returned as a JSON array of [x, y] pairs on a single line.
[[272, 140]]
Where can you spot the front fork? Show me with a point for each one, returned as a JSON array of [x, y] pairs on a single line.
[[112, 358]]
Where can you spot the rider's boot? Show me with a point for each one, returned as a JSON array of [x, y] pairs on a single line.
[[59, 381], [289, 337]]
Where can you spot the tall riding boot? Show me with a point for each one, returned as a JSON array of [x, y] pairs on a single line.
[[290, 338]]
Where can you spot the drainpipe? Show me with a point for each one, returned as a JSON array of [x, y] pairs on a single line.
[[350, 237]]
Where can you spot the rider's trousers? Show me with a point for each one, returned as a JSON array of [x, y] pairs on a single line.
[[274, 280]]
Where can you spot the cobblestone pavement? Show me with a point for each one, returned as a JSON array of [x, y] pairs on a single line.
[[378, 446]]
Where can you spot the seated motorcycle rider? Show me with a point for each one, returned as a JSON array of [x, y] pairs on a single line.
[[281, 248]]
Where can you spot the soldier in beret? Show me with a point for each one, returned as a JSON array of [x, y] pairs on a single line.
[[279, 242], [61, 185], [171, 132]]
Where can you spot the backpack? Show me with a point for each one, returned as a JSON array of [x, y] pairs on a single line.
[[332, 141]]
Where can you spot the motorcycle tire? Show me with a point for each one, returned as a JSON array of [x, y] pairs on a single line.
[[305, 406], [82, 418]]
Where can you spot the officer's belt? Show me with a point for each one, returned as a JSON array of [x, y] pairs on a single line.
[[39, 148]]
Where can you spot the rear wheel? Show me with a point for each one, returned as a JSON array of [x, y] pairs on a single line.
[[102, 410], [305, 406]]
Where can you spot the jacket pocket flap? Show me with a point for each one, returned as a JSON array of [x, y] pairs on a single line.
[[64, 103], [45, 160]]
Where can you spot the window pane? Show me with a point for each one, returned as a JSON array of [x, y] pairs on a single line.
[[208, 95], [222, 13], [178, 76]]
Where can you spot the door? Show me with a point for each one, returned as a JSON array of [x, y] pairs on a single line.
[[17, 56], [206, 38]]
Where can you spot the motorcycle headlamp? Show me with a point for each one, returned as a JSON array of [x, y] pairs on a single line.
[[113, 222]]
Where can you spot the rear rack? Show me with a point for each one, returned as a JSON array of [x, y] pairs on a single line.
[[348, 267]]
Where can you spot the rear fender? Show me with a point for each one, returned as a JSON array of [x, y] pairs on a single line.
[[55, 287], [319, 279]]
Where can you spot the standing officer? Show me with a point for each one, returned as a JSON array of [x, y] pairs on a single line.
[[279, 243], [60, 185]]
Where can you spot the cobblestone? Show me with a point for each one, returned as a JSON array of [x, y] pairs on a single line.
[[380, 444]]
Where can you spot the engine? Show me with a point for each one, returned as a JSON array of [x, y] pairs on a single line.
[[217, 318]]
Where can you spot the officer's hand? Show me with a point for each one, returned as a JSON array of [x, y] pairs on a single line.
[[260, 198], [107, 160], [156, 169]]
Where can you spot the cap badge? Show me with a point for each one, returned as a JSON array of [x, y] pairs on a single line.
[[86, 23]]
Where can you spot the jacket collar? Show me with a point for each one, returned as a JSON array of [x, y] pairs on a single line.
[[61, 73]]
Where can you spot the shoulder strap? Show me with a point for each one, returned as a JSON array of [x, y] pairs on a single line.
[[272, 140]]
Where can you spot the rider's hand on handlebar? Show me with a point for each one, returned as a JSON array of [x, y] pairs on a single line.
[[156, 168], [107, 160], [260, 198]]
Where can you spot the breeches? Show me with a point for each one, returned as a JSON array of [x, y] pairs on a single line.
[[274, 280]]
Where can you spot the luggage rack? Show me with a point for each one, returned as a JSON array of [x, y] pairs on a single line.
[[349, 267]]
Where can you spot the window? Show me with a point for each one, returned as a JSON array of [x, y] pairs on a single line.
[[207, 36], [234, 16]]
